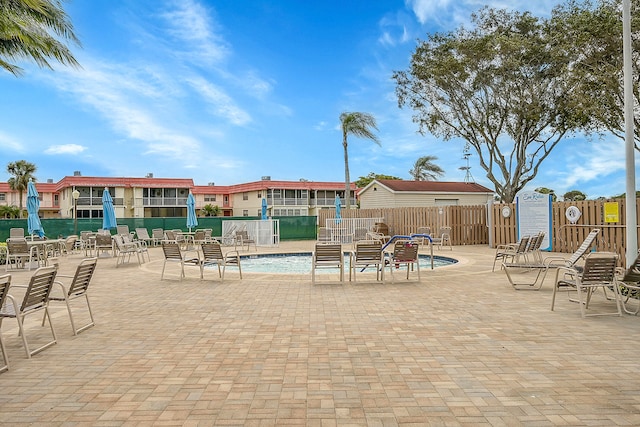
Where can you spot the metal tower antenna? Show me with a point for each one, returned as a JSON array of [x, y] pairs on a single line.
[[467, 177]]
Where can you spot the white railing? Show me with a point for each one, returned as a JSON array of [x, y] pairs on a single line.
[[348, 230], [265, 232]]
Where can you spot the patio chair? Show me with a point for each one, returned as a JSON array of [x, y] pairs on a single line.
[[405, 252], [368, 253], [443, 238], [36, 299], [327, 255], [423, 230], [5, 282], [598, 272], [103, 243], [242, 238], [16, 232], [212, 255], [69, 244], [76, 289], [124, 250], [19, 253], [172, 253], [629, 284]]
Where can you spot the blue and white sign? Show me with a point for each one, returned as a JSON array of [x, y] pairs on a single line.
[[533, 215]]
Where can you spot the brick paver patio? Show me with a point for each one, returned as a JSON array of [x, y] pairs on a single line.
[[459, 348]]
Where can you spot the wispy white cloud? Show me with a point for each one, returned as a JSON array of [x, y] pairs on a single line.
[[193, 29], [65, 149], [8, 143], [222, 105]]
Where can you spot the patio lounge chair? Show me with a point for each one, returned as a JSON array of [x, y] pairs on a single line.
[[511, 251], [103, 243], [629, 284], [212, 255], [172, 253], [36, 299], [541, 268], [598, 272], [157, 234], [405, 252], [76, 289], [143, 235], [368, 253], [5, 282], [327, 255]]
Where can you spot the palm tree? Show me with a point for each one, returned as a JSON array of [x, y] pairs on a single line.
[[34, 29], [425, 170], [360, 125], [22, 172]]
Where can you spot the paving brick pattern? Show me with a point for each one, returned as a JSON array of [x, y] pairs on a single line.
[[461, 347]]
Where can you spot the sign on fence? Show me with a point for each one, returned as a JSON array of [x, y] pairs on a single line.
[[533, 215]]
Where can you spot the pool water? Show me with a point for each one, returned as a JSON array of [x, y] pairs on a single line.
[[300, 263]]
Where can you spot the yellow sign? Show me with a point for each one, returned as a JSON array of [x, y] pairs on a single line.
[[611, 212]]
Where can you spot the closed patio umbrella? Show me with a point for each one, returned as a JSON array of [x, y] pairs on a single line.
[[33, 206], [109, 213], [264, 208], [192, 220], [338, 214]]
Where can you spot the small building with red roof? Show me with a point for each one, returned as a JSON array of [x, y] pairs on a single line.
[[396, 193]]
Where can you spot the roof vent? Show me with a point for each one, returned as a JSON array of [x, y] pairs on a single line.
[[211, 184], [77, 173], [304, 180], [266, 178], [49, 180], [149, 175]]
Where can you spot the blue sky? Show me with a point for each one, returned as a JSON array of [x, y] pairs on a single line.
[[229, 91]]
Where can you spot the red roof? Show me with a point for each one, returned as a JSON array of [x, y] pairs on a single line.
[[268, 184], [434, 186]]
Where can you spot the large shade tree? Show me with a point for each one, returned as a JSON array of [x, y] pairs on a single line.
[[591, 33], [425, 169], [34, 30], [21, 172], [360, 125], [500, 86]]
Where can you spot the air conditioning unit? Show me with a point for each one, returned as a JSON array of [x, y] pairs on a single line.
[[149, 175], [266, 178], [77, 173]]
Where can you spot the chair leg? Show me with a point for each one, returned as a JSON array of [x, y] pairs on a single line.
[[5, 358]]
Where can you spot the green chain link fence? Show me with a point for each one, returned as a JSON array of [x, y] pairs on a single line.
[[291, 227]]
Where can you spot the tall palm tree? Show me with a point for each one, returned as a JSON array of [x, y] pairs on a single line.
[[36, 30], [360, 125], [22, 172], [424, 169]]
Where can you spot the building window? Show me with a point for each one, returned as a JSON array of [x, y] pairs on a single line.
[[245, 212], [259, 195], [245, 196], [3, 197], [210, 198]]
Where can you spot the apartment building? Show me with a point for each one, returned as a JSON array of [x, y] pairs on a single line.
[[166, 197]]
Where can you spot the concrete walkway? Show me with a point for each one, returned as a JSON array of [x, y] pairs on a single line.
[[461, 347]]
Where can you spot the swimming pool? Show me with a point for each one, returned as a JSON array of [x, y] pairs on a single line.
[[300, 263]]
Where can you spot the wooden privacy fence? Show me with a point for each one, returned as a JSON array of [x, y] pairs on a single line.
[[567, 237], [469, 224]]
